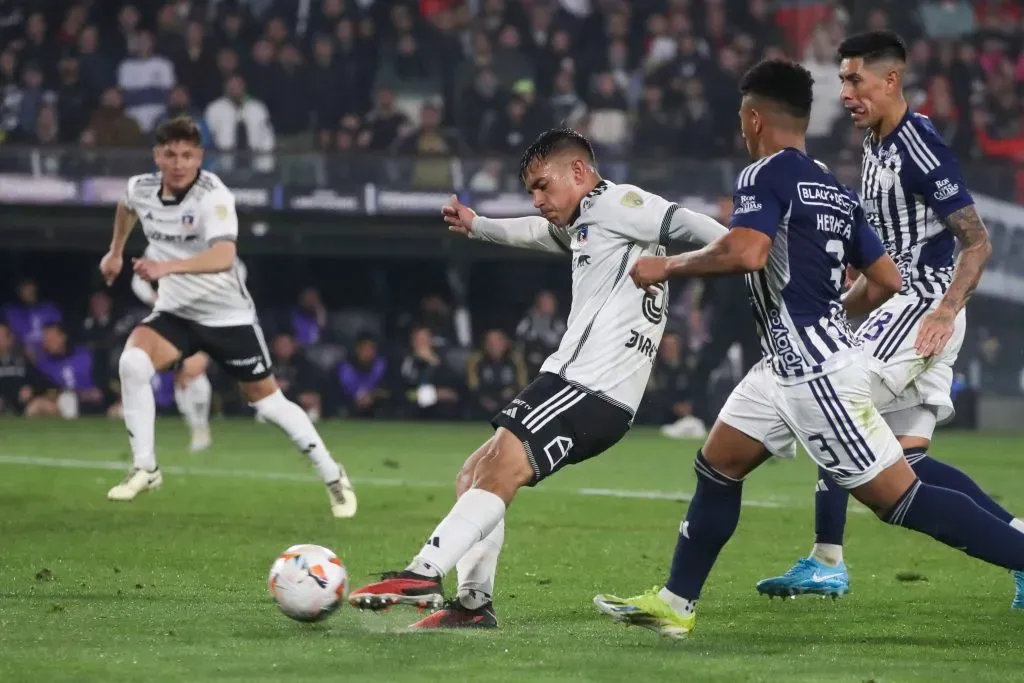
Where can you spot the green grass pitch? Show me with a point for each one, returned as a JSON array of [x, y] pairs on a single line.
[[171, 587]]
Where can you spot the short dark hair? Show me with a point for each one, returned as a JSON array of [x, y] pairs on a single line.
[[552, 142], [179, 129], [874, 45], [786, 83]]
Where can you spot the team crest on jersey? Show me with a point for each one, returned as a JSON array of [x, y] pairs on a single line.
[[581, 235], [632, 200], [886, 178], [188, 220]]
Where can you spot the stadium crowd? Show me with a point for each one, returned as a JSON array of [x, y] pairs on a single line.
[[648, 78], [332, 363]]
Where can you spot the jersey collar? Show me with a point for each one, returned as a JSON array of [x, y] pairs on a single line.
[[897, 129], [584, 204], [176, 199]]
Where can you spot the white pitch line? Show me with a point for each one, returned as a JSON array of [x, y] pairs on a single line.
[[76, 464]]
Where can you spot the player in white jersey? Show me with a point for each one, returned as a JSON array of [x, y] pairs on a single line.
[[189, 218], [192, 389], [916, 198], [584, 399], [794, 228]]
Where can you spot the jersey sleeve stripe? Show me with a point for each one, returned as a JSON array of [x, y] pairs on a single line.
[[666, 224], [915, 153], [221, 238], [915, 135], [558, 240]]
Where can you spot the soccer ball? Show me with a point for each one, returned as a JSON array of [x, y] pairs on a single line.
[[308, 582]]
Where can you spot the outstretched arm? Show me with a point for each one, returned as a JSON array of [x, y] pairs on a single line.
[[693, 227], [740, 250], [529, 232]]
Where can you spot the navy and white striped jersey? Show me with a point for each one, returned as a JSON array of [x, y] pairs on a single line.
[[817, 227], [910, 182]]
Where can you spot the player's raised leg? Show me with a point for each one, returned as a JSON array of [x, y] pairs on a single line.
[[193, 394], [145, 352], [495, 472], [270, 403]]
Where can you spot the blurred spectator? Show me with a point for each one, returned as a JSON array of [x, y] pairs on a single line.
[[15, 390], [74, 100], [488, 178], [329, 103], [96, 69], [103, 334], [296, 376], [362, 379], [408, 68], [357, 65], [820, 60], [38, 49], [431, 140], [384, 124], [180, 104], [195, 65], [230, 34], [506, 134], [129, 21], [261, 71], [238, 122], [511, 64], [71, 26], [947, 19], [145, 80], [701, 134], [308, 317], [540, 332], [111, 126], [170, 30], [655, 125], [567, 106], [290, 99], [25, 102], [494, 375], [12, 19], [428, 386], [609, 121], [29, 316], [479, 106], [62, 379]]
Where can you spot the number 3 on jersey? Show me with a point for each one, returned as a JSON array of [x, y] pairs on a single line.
[[836, 250]]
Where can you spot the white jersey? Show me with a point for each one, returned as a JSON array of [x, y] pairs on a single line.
[[614, 328], [146, 292], [183, 228]]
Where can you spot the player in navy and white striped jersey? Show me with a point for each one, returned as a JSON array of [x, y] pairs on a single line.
[[916, 198], [793, 229]]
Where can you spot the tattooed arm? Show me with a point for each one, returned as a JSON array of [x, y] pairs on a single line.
[[975, 248]]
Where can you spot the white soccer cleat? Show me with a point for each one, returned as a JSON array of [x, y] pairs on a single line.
[[201, 440], [136, 482], [343, 498]]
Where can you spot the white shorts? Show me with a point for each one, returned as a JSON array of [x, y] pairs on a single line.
[[833, 417], [889, 335]]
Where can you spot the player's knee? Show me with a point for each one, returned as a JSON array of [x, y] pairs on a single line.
[[503, 468], [135, 366]]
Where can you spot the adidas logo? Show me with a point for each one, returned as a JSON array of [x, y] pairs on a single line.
[[260, 367], [511, 412], [149, 216]]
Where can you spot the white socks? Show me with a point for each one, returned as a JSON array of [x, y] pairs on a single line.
[[136, 370], [1018, 524], [193, 401], [679, 605], [478, 567], [293, 420], [828, 553], [473, 517]]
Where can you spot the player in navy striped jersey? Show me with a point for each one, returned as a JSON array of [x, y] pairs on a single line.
[[917, 200], [794, 228]]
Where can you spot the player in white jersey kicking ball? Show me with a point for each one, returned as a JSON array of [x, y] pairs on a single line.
[[794, 228], [188, 216], [917, 200], [584, 399], [192, 389]]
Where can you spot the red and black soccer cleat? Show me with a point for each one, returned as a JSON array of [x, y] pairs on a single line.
[[454, 615], [399, 588]]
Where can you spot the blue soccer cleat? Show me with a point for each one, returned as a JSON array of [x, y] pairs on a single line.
[[1018, 598], [810, 577]]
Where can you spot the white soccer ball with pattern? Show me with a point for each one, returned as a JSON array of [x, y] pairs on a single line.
[[308, 582]]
